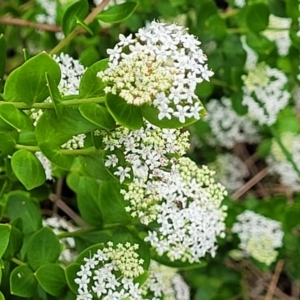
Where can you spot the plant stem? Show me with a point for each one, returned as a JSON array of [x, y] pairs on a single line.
[[287, 154], [89, 19], [77, 101], [229, 13], [18, 262], [79, 232]]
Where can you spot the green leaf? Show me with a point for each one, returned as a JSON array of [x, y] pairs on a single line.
[[73, 181], [91, 85], [83, 25], [118, 13], [28, 169], [257, 16], [1, 295], [260, 43], [4, 237], [112, 204], [54, 94], [125, 114], [2, 59], [43, 248], [15, 243], [55, 156], [55, 131], [94, 166], [216, 26], [98, 115], [28, 82], [70, 272], [88, 201], [277, 8], [151, 114], [23, 282], [52, 279], [19, 205], [78, 10], [8, 143], [15, 117]]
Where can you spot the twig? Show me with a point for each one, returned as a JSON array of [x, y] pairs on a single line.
[[24, 23], [64, 42], [67, 210], [248, 185], [275, 277]]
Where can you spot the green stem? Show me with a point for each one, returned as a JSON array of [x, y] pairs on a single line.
[[287, 154], [3, 188], [79, 232], [18, 262], [237, 30], [23, 105], [222, 83], [89, 19], [229, 13], [29, 148]]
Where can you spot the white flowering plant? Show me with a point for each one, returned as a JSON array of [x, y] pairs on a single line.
[[149, 149]]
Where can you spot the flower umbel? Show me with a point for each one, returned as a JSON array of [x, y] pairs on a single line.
[[161, 66]]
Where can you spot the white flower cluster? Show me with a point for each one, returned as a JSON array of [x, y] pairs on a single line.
[[110, 3], [161, 66], [109, 274], [76, 142], [278, 31], [46, 163], [252, 56], [227, 126], [59, 225], [164, 283], [147, 150], [230, 171], [185, 204], [239, 3], [278, 163], [49, 16], [264, 93], [259, 236]]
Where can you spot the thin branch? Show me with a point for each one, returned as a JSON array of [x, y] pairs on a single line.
[[89, 19], [24, 23], [248, 185], [275, 277]]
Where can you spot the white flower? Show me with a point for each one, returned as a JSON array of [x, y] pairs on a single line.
[[111, 161], [123, 173], [259, 236], [162, 68], [46, 164]]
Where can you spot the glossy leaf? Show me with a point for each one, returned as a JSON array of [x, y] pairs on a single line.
[[28, 169], [94, 166], [1, 295], [4, 237], [112, 204], [43, 248], [70, 273], [52, 279], [98, 115], [125, 114], [28, 82], [20, 205], [78, 10], [88, 201], [91, 85], [15, 243], [257, 16], [15, 117], [23, 282], [56, 156], [54, 94], [8, 143], [118, 13]]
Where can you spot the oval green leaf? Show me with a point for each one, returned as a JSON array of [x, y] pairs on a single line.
[[23, 282], [43, 248], [70, 272], [28, 169], [118, 13], [91, 85], [51, 278], [19, 205], [98, 115], [28, 82], [257, 16], [4, 237], [127, 115], [15, 117]]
